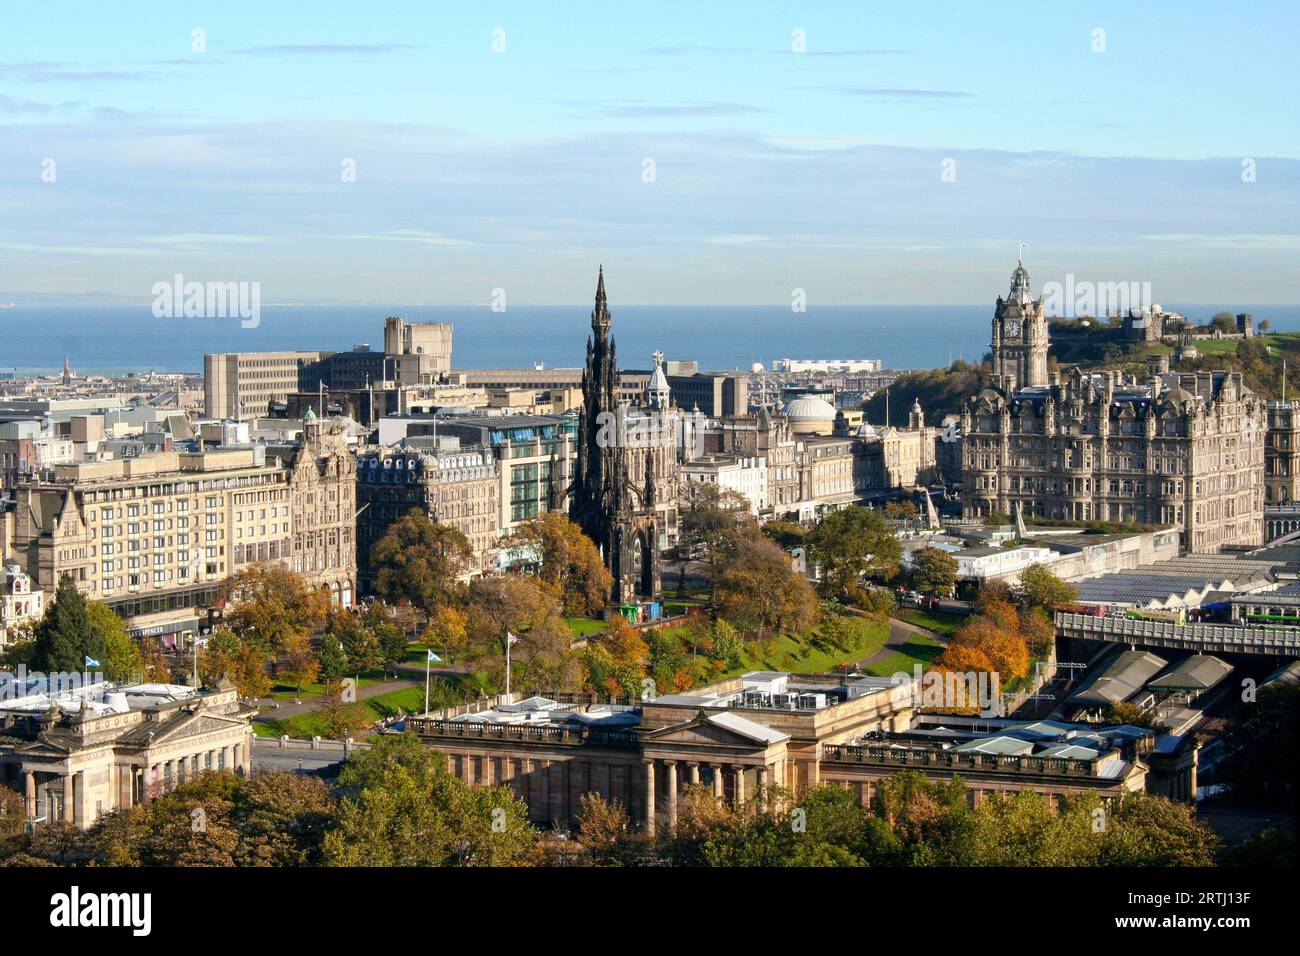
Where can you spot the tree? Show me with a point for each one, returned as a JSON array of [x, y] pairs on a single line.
[[341, 720], [758, 588], [1224, 322], [122, 659], [267, 604], [1259, 765], [400, 807], [448, 630], [64, 637], [934, 572], [1038, 631], [514, 602], [900, 510], [707, 518], [153, 661], [1144, 830], [389, 636], [421, 561], [1040, 588], [282, 819], [300, 665], [849, 544], [605, 832], [786, 535], [1122, 712], [570, 562], [728, 648], [359, 644], [333, 659]]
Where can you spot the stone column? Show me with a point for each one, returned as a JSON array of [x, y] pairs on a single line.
[[672, 793], [80, 809], [227, 758], [239, 758], [763, 798], [738, 770], [650, 797], [489, 771], [68, 799], [717, 780], [31, 794], [694, 771]]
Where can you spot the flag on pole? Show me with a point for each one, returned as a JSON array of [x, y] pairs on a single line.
[[434, 658], [511, 638], [91, 662]]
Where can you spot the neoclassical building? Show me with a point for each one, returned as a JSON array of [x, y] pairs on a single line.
[[1180, 449], [77, 755], [744, 736]]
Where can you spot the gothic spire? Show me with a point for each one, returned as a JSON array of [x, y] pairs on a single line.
[[600, 320]]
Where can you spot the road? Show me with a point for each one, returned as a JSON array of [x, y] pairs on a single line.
[[309, 761]]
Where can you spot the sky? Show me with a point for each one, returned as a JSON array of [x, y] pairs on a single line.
[[722, 153]]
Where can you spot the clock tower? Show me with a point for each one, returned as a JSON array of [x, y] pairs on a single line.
[[1019, 336]]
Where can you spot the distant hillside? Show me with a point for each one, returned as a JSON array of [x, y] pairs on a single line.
[[941, 392], [944, 391]]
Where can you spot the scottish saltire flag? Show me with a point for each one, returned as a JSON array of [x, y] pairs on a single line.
[[91, 662], [434, 658], [511, 638]]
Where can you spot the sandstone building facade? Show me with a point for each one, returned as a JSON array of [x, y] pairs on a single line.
[[153, 537], [1178, 449]]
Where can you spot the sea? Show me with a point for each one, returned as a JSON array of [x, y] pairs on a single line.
[[113, 339]]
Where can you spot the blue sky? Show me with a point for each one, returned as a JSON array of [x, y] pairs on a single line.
[[773, 169]]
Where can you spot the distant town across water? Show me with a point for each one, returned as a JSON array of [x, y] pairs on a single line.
[[110, 339]]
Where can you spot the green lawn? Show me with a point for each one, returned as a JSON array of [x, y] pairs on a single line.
[[938, 621], [282, 693], [1216, 346], [408, 700], [801, 655], [920, 650], [585, 626]]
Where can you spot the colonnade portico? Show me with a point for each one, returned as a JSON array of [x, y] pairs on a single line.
[[744, 760], [664, 783]]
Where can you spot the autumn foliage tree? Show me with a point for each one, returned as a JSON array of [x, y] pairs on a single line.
[[570, 562], [421, 561], [760, 590], [990, 641]]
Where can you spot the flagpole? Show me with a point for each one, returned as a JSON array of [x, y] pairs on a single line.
[[427, 664], [507, 662]]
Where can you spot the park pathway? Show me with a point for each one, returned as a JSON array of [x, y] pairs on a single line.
[[901, 633]]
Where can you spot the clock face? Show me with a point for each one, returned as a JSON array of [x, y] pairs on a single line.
[[1013, 328]]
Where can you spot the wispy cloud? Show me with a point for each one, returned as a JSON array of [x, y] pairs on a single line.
[[631, 109], [326, 49], [686, 49], [894, 93], [1276, 241], [736, 239], [420, 236]]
